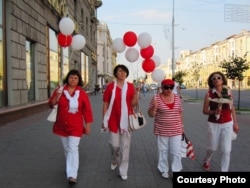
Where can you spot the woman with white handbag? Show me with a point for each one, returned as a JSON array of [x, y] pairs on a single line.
[[74, 117], [119, 99]]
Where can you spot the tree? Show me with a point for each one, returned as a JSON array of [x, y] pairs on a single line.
[[234, 69], [195, 72], [179, 76]]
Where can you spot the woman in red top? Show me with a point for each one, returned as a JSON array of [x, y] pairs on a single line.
[[167, 109], [74, 110], [221, 119], [118, 101]]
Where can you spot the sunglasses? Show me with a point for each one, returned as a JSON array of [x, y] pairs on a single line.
[[216, 78], [168, 87]]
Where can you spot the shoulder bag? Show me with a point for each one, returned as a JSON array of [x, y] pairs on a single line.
[[136, 119], [53, 114], [187, 149]]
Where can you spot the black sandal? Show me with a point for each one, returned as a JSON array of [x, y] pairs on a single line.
[[72, 181]]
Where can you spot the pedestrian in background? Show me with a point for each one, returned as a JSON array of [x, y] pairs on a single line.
[[144, 90], [119, 99], [74, 118], [221, 120], [166, 109], [177, 88]]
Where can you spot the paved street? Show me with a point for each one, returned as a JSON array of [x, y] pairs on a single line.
[[32, 157]]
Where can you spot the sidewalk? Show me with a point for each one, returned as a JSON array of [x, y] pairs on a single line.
[[32, 157]]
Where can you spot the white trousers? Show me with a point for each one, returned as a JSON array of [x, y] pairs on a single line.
[[71, 151], [220, 134], [120, 148], [173, 145]]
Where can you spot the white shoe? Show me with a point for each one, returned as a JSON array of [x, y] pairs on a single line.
[[165, 175], [124, 177], [113, 165]]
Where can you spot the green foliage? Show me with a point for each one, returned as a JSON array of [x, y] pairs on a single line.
[[179, 76], [235, 67], [195, 71]]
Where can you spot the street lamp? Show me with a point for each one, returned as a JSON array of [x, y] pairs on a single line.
[[173, 62]]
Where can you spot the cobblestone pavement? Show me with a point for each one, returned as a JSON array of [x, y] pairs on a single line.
[[32, 157]]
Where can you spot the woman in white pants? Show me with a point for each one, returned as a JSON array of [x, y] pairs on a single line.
[[167, 109], [222, 121], [74, 118], [119, 99]]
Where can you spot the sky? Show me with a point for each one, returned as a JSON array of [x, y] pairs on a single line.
[[197, 23]]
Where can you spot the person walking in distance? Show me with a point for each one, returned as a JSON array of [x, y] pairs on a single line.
[[177, 88], [222, 120]]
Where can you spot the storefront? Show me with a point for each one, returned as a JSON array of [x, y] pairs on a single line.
[[32, 63]]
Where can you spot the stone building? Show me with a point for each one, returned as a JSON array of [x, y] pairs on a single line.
[[209, 59], [32, 63], [105, 55]]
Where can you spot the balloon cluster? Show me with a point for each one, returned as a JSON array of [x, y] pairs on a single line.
[[150, 61], [65, 38]]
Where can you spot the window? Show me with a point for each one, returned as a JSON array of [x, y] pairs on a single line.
[[1, 57], [65, 62], [85, 69], [53, 61], [30, 70]]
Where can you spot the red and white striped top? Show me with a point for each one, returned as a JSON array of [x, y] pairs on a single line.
[[167, 120]]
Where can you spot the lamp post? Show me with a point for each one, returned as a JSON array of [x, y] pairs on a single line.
[[173, 55]]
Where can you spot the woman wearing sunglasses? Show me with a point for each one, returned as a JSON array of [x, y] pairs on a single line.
[[166, 108], [222, 120]]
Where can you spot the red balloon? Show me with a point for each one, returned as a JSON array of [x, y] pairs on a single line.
[[64, 40], [148, 65], [148, 52], [130, 38]]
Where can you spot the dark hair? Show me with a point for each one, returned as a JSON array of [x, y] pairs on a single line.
[[210, 81], [74, 72], [123, 67]]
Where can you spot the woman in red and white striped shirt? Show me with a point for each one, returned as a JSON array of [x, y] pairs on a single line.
[[167, 109]]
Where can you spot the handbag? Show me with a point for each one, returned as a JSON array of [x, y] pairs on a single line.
[[53, 114], [187, 149], [234, 135], [136, 119]]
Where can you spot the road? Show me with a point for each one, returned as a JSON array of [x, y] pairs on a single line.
[[200, 93]]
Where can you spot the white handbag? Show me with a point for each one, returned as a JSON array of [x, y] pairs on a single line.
[[53, 114], [136, 119], [234, 135]]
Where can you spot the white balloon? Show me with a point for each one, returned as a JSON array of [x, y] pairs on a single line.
[[118, 45], [78, 42], [157, 60], [144, 40], [132, 54], [158, 75], [66, 26]]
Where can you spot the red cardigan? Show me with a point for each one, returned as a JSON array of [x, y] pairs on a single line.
[[115, 116], [69, 124]]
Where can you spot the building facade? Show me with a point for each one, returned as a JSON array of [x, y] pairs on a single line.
[[32, 63], [209, 59], [106, 56]]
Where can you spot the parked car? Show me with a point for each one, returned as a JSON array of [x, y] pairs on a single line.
[[153, 86], [146, 87], [182, 86]]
